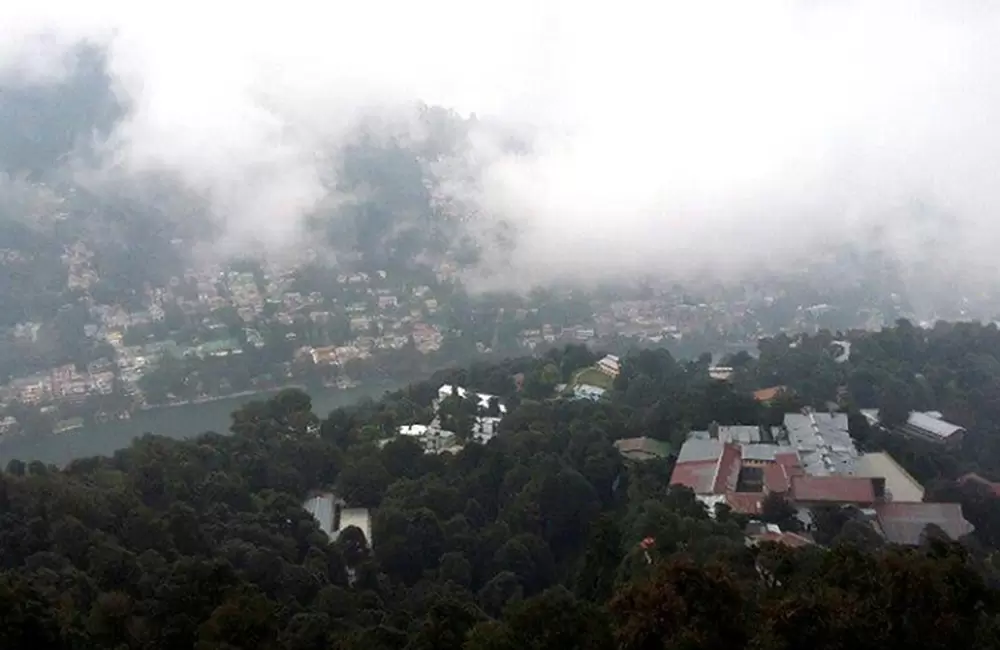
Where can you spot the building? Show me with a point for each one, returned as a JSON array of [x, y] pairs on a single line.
[[860, 491], [610, 365], [721, 373], [899, 485], [811, 461], [588, 392], [482, 399], [822, 442], [904, 523], [758, 533], [743, 434], [640, 449], [768, 395], [435, 440], [928, 426], [333, 516]]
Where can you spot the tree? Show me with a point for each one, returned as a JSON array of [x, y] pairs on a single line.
[[502, 589], [552, 620], [363, 483], [894, 403], [776, 509], [596, 577], [454, 567], [204, 542], [445, 627], [245, 620], [16, 467], [681, 605]]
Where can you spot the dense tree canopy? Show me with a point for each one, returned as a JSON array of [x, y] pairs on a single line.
[[543, 538]]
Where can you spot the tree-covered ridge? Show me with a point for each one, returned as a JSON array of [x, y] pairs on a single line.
[[542, 538]]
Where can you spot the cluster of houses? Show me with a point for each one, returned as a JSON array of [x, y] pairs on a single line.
[[810, 460], [61, 383], [436, 439]]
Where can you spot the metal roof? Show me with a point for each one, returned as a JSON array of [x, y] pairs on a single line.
[[823, 443], [760, 451], [933, 425], [698, 449], [732, 433], [904, 523]]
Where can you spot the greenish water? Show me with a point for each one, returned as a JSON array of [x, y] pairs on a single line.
[[175, 422]]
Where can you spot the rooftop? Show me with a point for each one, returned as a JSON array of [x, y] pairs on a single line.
[[728, 471], [413, 429], [768, 394], [698, 450], [927, 422], [898, 482], [904, 523], [776, 478], [447, 390], [697, 475], [731, 433], [833, 489], [823, 443], [762, 452], [935, 425], [748, 503], [642, 448], [793, 540]]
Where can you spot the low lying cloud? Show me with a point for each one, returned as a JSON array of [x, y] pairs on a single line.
[[672, 138]]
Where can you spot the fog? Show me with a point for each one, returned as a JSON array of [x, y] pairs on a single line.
[[672, 138]]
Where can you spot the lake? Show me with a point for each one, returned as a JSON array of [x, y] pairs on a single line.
[[175, 422]]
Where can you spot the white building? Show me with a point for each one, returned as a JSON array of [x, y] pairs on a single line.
[[334, 517], [610, 365]]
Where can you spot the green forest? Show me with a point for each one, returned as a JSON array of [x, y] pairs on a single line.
[[543, 538]]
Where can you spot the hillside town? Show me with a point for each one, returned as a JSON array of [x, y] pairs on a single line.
[[806, 466], [220, 331]]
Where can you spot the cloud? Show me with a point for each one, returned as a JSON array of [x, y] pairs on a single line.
[[735, 136], [673, 138]]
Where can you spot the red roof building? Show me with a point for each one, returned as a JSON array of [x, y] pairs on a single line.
[[747, 503], [853, 490], [765, 395], [698, 475], [776, 478], [729, 469]]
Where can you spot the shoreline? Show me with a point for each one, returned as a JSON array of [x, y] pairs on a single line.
[[220, 398], [103, 439]]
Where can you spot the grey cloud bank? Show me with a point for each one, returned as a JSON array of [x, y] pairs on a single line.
[[672, 137]]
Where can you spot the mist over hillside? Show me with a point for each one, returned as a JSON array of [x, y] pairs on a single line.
[[684, 142]]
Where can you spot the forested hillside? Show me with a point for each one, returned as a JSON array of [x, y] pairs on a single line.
[[543, 538]]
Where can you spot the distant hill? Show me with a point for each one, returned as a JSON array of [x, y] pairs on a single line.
[[41, 122]]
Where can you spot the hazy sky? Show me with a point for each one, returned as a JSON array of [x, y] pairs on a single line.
[[672, 134]]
